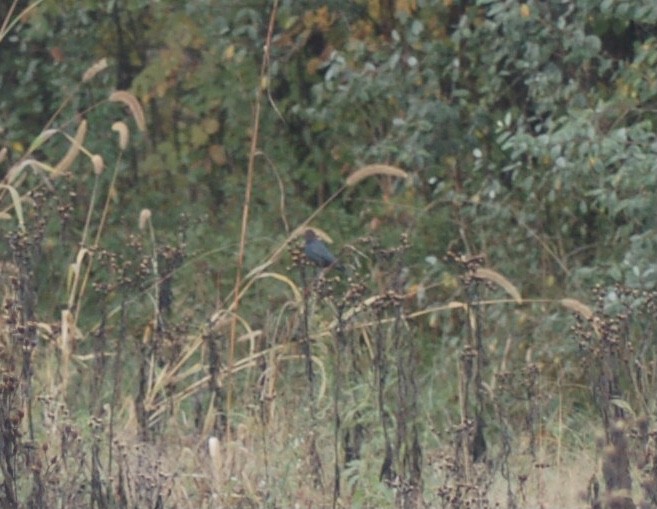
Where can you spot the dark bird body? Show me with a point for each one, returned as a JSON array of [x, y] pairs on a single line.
[[317, 252]]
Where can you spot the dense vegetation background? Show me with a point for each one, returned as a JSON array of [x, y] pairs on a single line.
[[487, 173]]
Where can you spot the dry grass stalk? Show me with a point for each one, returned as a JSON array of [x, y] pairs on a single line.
[[144, 218], [74, 149], [73, 276], [374, 169], [97, 67], [578, 307], [159, 402], [8, 23], [124, 133], [17, 170], [499, 280], [98, 163], [97, 160], [16, 201], [43, 136], [133, 104], [264, 69], [282, 278]]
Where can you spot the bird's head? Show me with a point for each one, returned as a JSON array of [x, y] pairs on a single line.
[[309, 235]]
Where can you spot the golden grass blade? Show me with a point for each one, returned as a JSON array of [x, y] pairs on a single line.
[[284, 279], [3, 154], [124, 133], [97, 67], [374, 169], [190, 350], [578, 307], [161, 380], [16, 200], [159, 408], [73, 275], [133, 104], [15, 170], [73, 150], [500, 280], [41, 139], [251, 337]]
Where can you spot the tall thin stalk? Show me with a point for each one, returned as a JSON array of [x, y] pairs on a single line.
[[264, 69]]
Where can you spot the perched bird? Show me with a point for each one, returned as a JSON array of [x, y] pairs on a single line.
[[317, 252]]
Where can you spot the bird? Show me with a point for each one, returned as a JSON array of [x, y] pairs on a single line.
[[317, 252]]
